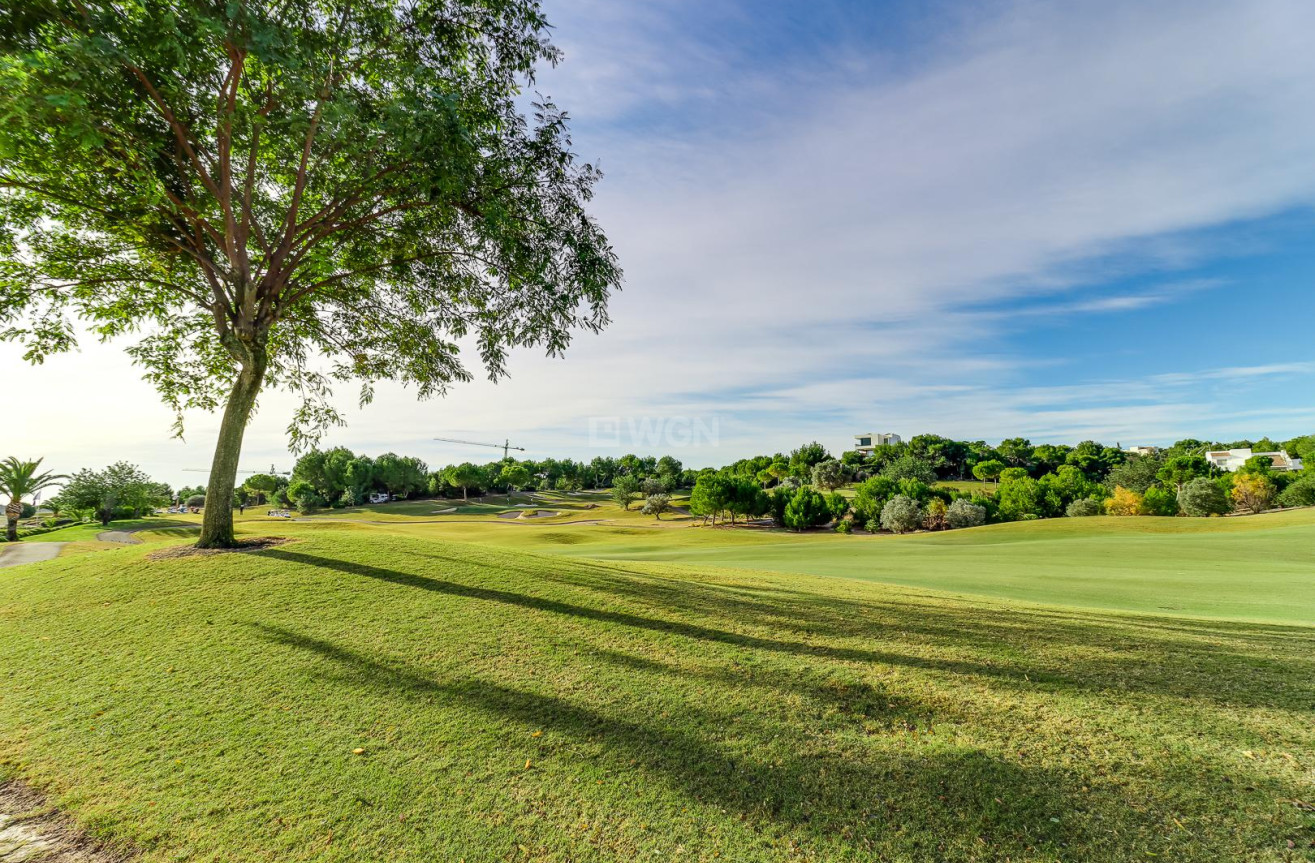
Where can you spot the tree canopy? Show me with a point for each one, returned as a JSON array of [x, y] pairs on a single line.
[[290, 194]]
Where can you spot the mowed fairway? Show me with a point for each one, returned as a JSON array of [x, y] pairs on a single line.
[[514, 705]]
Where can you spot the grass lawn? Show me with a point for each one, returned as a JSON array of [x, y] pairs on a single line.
[[513, 705], [84, 532]]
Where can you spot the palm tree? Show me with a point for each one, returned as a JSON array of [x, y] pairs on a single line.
[[19, 479]]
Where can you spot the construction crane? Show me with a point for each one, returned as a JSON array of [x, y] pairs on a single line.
[[505, 446]]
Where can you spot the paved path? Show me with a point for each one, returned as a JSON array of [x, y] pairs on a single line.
[[124, 537], [19, 553]]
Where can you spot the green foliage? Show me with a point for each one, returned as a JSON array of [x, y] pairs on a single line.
[[1299, 493], [400, 476], [901, 514], [119, 488], [20, 479], [1085, 508], [656, 504], [937, 515], [1202, 497], [838, 505], [964, 513], [1016, 452], [1138, 473], [1094, 459], [1011, 474], [844, 526], [1159, 500], [871, 496], [195, 501], [802, 459], [989, 470], [806, 508], [625, 490], [829, 475], [1026, 497], [1261, 465], [1179, 470], [910, 467], [255, 185]]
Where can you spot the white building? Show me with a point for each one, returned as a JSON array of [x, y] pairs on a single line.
[[1142, 450], [869, 441], [1232, 459]]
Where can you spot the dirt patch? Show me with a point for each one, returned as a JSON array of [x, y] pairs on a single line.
[[33, 830], [246, 546]]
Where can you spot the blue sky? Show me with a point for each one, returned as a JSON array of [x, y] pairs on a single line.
[[1059, 220]]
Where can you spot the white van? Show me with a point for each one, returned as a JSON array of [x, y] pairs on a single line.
[[379, 497]]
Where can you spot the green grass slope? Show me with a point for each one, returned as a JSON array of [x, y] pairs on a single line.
[[1259, 568], [516, 706]]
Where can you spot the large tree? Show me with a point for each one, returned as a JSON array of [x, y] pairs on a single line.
[[289, 194]]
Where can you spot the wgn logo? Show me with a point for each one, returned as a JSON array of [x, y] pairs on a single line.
[[652, 432]]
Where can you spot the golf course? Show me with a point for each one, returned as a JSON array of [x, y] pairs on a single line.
[[595, 684]]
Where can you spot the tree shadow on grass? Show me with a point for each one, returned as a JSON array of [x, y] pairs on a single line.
[[1089, 653], [922, 804], [624, 618]]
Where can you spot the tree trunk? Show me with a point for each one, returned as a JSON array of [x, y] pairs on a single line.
[[217, 518], [11, 528]]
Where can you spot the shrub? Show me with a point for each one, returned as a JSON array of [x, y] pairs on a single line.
[[828, 475], [1202, 497], [844, 526], [872, 525], [1300, 493], [1084, 507], [872, 496], [1124, 502], [1253, 491], [806, 509], [964, 513], [1159, 500], [837, 504], [936, 514], [656, 504], [1023, 497], [901, 514], [196, 500]]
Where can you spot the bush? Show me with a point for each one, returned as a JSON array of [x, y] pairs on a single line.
[[1203, 497], [196, 500], [1124, 502], [964, 513], [844, 526], [872, 525], [872, 496], [1299, 493], [1253, 491], [1024, 497], [806, 509], [656, 504], [828, 475], [936, 514], [1159, 500], [838, 505], [1084, 508], [901, 514]]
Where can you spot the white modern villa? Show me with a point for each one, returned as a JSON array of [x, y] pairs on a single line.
[[869, 441], [1232, 459]]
